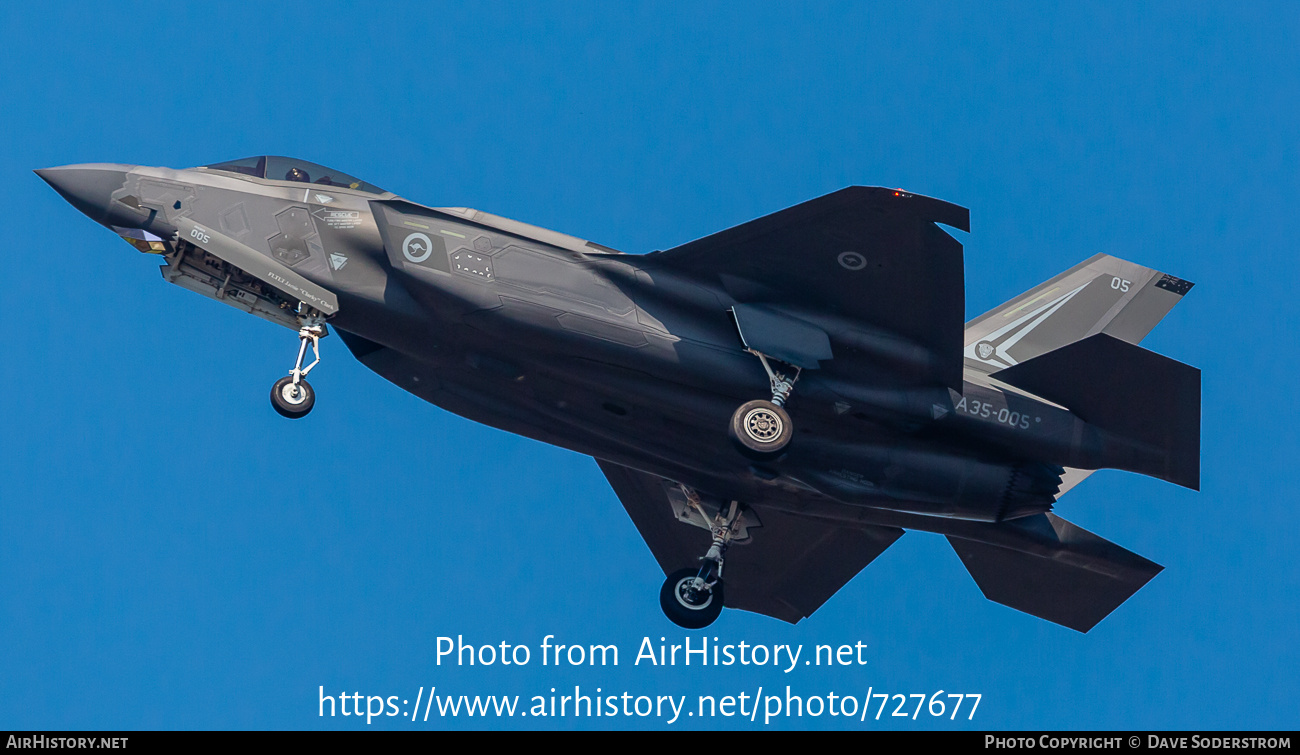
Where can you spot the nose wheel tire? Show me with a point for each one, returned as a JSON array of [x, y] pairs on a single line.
[[761, 429], [292, 401], [687, 607]]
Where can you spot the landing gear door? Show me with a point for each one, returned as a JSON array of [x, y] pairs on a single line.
[[781, 336]]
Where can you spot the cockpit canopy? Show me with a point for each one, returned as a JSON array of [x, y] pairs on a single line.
[[291, 169]]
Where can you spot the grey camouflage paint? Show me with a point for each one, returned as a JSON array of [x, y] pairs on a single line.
[[903, 418]]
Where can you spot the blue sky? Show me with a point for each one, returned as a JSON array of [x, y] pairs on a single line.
[[175, 555]]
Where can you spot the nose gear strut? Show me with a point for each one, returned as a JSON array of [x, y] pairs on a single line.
[[292, 396], [762, 429], [692, 597]]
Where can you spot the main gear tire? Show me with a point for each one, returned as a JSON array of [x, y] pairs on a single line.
[[686, 607], [761, 430]]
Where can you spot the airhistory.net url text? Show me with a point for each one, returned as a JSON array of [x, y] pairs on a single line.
[[874, 706]]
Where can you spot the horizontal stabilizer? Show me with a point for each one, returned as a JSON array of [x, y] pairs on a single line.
[[1076, 579], [1150, 402]]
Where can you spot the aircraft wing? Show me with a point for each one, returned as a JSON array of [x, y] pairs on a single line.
[[789, 568], [868, 254]]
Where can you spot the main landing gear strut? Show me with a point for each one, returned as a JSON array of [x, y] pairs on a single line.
[[762, 429], [292, 396], [692, 597]]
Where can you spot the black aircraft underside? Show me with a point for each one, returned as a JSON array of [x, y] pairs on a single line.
[[774, 404]]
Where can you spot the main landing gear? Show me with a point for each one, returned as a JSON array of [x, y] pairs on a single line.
[[292, 396], [762, 429], [692, 597]]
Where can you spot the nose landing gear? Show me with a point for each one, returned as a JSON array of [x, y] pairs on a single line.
[[292, 396], [692, 598]]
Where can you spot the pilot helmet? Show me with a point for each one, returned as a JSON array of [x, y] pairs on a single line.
[[297, 174]]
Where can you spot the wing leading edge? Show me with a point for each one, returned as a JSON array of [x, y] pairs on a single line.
[[866, 254]]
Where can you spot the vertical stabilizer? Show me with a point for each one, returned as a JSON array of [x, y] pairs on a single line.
[[1104, 294], [1147, 405]]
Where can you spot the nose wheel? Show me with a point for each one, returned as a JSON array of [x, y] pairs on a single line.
[[292, 396], [292, 400]]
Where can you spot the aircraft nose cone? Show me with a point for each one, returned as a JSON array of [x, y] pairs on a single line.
[[88, 187]]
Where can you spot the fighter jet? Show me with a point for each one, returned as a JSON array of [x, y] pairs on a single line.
[[774, 404]]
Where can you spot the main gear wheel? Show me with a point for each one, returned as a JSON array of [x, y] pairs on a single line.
[[689, 601], [761, 429]]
